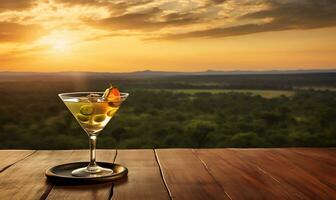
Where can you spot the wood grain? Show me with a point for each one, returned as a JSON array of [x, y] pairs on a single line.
[[95, 191], [26, 179], [144, 180], [241, 179], [283, 173], [300, 183], [317, 162], [186, 177], [327, 156], [9, 157]]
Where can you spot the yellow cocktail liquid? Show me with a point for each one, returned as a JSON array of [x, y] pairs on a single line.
[[92, 116]]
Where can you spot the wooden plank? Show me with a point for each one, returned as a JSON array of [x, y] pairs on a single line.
[[320, 163], [9, 157], [301, 184], [144, 179], [26, 179], [95, 191], [240, 179], [186, 176], [327, 155], [295, 173]]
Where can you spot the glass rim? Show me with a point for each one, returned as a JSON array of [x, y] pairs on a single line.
[[80, 94]]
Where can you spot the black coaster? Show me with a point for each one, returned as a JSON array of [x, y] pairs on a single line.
[[61, 174]]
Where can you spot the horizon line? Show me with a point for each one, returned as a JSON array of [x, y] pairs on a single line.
[[164, 71]]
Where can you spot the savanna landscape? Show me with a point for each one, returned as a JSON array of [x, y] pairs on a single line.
[[250, 110]]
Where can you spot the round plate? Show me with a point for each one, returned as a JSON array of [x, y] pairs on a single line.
[[62, 173]]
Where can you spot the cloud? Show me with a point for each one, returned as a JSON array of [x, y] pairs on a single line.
[[15, 4], [149, 20], [164, 19], [280, 15], [223, 32], [14, 32], [299, 14], [20, 54], [17, 52], [216, 1], [128, 21], [113, 6]]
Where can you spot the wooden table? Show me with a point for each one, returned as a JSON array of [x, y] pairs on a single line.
[[285, 173]]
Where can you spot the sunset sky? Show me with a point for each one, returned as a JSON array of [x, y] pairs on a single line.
[[168, 35]]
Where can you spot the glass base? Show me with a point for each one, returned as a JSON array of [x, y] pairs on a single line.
[[92, 172]]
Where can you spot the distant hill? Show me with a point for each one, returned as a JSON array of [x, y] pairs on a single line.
[[234, 72], [166, 73]]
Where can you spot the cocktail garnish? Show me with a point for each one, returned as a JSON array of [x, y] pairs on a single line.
[[86, 109], [99, 118], [93, 97], [82, 118], [112, 94]]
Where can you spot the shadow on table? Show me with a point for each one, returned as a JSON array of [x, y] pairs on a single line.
[[49, 181]]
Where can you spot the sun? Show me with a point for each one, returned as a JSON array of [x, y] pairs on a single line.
[[60, 45], [57, 42]]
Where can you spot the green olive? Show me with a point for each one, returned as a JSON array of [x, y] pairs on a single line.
[[86, 110], [99, 118], [82, 118], [111, 112]]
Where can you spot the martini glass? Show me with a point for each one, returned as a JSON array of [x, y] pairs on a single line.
[[92, 111]]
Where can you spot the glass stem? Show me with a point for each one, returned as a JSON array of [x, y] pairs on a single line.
[[92, 165]]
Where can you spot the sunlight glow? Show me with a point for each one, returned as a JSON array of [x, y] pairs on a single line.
[[60, 45], [57, 42], [185, 35]]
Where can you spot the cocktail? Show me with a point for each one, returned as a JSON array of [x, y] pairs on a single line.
[[93, 110]]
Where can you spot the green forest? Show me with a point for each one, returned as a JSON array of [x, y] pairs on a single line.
[[33, 117]]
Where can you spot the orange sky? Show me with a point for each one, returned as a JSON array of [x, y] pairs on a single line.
[[169, 35]]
